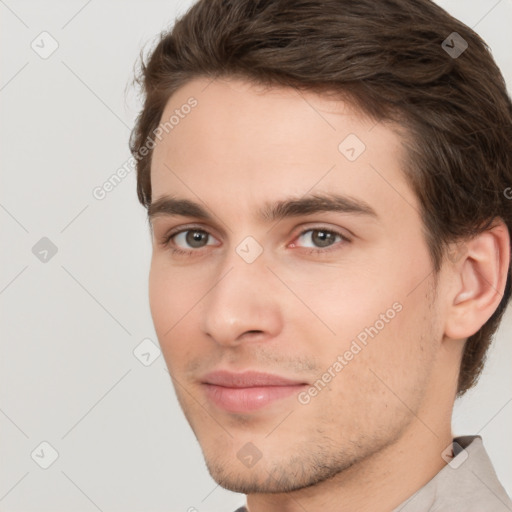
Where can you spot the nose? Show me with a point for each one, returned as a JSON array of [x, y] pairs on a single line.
[[242, 304]]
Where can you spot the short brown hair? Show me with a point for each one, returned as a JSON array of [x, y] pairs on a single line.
[[389, 59]]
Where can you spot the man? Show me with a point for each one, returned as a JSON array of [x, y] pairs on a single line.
[[326, 185]]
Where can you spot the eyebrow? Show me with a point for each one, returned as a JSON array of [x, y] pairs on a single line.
[[270, 212]]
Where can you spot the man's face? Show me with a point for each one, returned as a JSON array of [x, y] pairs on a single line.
[[337, 302]]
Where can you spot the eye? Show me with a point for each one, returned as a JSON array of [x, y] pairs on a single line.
[[321, 238], [186, 241], [196, 238]]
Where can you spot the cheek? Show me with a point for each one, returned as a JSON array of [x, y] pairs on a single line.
[[380, 323], [390, 369], [172, 292], [168, 302], [160, 297], [345, 298], [174, 297], [398, 362]]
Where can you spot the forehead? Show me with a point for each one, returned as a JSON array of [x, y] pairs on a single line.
[[251, 143]]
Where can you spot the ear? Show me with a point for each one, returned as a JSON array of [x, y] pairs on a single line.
[[480, 267]]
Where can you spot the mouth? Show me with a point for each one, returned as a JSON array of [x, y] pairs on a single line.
[[248, 391]]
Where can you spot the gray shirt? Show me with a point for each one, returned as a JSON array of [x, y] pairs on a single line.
[[468, 483]]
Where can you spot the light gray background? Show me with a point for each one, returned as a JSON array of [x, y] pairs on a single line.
[[70, 325]]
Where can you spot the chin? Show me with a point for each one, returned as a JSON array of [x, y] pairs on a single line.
[[281, 474]]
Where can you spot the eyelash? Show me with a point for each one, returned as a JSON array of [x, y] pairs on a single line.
[[165, 242]]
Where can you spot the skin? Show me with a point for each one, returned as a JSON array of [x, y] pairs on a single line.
[[374, 435]]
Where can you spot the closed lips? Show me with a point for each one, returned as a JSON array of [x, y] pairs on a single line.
[[247, 379]]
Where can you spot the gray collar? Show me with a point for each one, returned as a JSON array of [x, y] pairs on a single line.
[[468, 482]]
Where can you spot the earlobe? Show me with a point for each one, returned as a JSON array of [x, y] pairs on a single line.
[[480, 279]]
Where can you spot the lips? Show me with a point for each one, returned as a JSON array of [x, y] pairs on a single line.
[[248, 379], [248, 391]]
